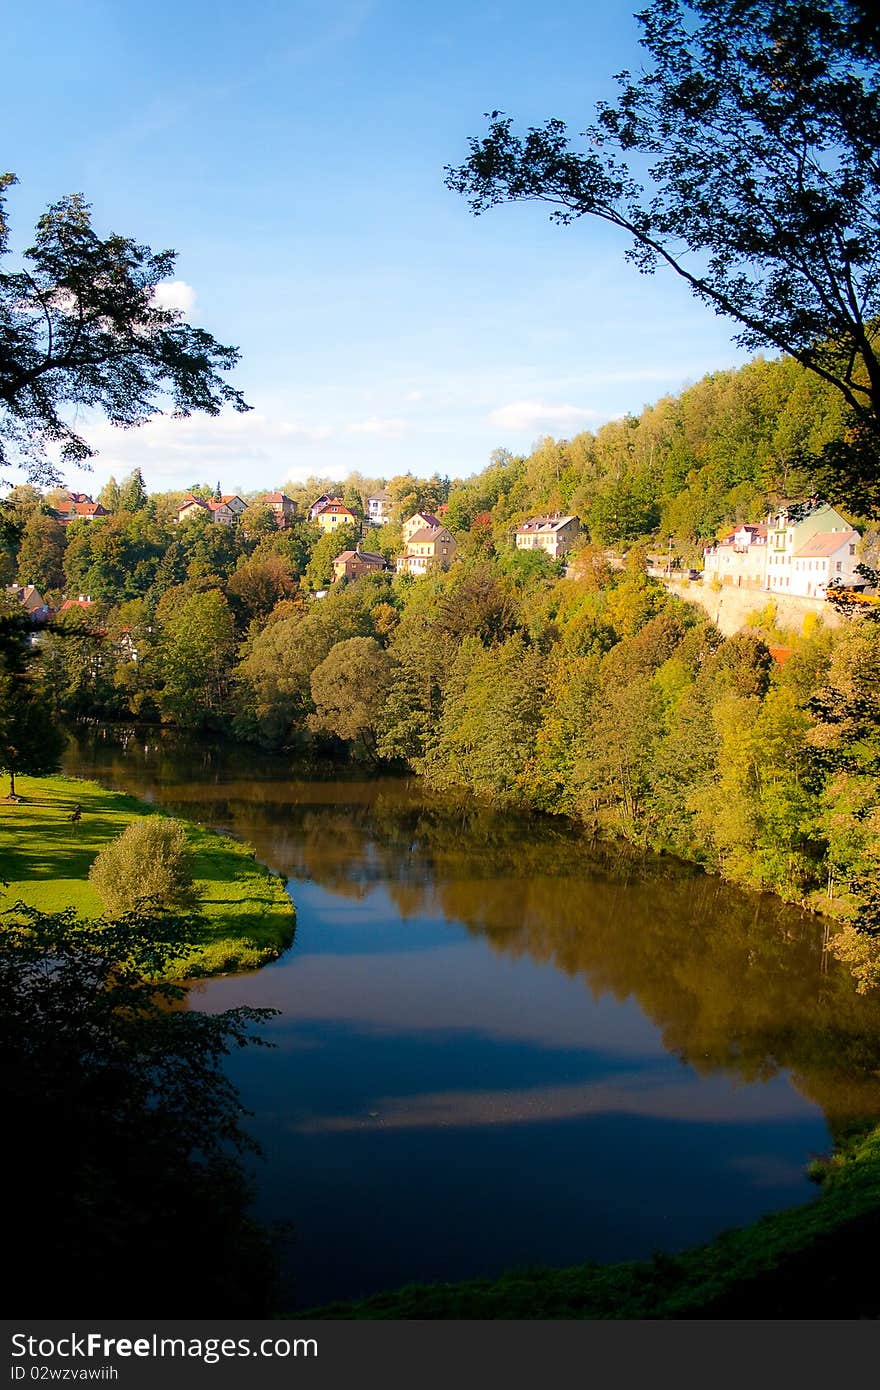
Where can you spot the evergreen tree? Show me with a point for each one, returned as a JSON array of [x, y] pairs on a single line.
[[132, 492]]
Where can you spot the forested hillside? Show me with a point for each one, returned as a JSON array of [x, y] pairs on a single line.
[[595, 695], [689, 466]]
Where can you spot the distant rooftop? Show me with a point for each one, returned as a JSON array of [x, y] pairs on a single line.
[[826, 543], [544, 523]]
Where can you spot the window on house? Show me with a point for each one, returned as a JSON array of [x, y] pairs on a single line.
[[839, 566]]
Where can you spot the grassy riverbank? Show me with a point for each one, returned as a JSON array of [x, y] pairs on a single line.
[[809, 1261], [247, 917]]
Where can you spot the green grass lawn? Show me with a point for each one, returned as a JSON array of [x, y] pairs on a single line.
[[248, 919]]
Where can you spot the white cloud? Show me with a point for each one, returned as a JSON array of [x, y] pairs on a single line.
[[414, 396], [255, 449], [177, 294], [386, 429], [530, 415]]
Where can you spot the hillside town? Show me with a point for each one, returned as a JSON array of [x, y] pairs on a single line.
[[803, 549]]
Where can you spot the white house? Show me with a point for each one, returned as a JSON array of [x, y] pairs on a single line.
[[553, 534], [828, 558], [739, 557], [378, 509], [788, 533]]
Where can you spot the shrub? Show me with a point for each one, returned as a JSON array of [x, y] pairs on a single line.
[[149, 860]]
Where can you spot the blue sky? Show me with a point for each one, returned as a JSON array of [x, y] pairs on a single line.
[[293, 154]]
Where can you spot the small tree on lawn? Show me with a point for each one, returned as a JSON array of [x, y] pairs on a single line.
[[149, 860]]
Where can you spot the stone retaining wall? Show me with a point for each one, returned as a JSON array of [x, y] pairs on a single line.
[[729, 607]]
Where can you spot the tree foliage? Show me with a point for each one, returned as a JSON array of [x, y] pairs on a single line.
[[148, 862], [349, 690], [196, 658], [30, 741], [81, 327], [121, 1111], [743, 159]]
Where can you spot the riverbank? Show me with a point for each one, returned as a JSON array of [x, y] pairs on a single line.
[[247, 919], [806, 1262]]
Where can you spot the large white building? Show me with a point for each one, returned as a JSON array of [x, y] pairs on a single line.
[[808, 545], [800, 550]]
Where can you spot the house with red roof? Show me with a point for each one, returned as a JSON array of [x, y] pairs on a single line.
[[334, 514], [223, 510], [80, 507], [351, 564], [738, 558], [320, 502], [826, 560], [283, 508], [801, 550], [227, 508]]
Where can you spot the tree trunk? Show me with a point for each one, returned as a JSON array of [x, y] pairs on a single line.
[[12, 782]]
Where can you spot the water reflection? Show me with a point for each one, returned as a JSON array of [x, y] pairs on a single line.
[[501, 1044], [735, 981]]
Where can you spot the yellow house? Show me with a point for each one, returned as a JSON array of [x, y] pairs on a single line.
[[419, 521], [334, 514], [427, 548]]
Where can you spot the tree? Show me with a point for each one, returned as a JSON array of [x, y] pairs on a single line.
[[355, 503], [122, 1110], [258, 520], [79, 665], [196, 658], [350, 690], [758, 123], [30, 741], [258, 584], [81, 327], [492, 712], [132, 492], [319, 571], [409, 494], [150, 860], [41, 554], [109, 495]]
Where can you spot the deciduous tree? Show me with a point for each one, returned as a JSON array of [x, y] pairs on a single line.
[[30, 741], [349, 690], [81, 327], [744, 160], [150, 860]]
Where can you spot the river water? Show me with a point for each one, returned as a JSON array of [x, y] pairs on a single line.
[[500, 1046]]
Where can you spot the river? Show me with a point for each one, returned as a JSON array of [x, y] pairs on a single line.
[[500, 1046]]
